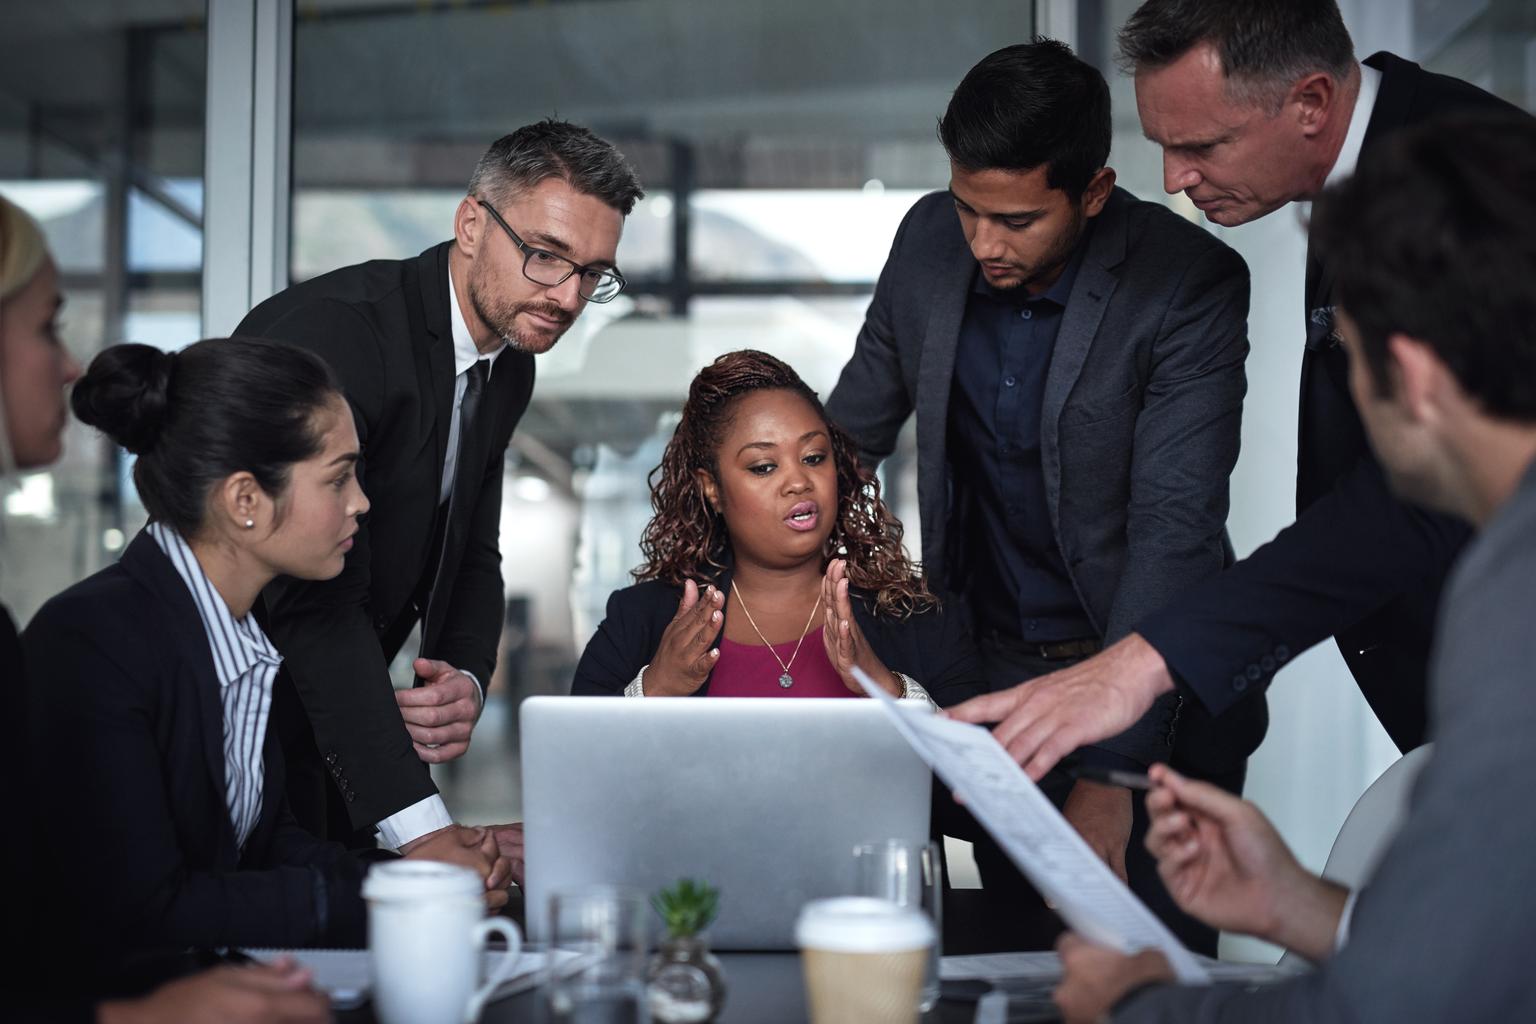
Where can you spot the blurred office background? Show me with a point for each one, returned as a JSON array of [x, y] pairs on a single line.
[[187, 158]]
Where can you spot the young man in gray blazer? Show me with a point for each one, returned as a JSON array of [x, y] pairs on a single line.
[[1074, 357], [1436, 285]]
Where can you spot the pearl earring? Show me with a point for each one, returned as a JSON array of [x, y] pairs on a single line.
[[250, 524]]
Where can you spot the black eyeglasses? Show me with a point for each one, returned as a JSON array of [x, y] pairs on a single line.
[[598, 284]]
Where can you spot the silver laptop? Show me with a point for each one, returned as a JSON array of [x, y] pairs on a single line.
[[762, 798]]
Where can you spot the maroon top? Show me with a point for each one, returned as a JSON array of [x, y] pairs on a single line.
[[749, 670]]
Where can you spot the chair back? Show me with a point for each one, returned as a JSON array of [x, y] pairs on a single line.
[[1371, 826], [1374, 821]]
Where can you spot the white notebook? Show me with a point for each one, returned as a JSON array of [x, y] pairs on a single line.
[[345, 973]]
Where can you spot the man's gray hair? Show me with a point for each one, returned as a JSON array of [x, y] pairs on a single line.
[[555, 149], [1265, 46]]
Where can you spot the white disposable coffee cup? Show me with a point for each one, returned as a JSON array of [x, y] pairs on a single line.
[[863, 960], [426, 929]]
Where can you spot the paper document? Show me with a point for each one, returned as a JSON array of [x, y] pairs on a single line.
[[1070, 876], [346, 975]]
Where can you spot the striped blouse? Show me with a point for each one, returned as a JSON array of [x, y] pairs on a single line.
[[246, 664]]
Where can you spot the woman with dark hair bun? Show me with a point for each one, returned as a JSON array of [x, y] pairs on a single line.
[[164, 817], [772, 566]]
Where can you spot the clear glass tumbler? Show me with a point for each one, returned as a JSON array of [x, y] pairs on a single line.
[[598, 951], [909, 875]]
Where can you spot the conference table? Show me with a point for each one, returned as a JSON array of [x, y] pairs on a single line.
[[762, 988]]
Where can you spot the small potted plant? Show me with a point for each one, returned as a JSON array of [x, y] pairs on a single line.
[[685, 983]]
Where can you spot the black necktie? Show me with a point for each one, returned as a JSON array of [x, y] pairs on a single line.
[[469, 415], [468, 468]]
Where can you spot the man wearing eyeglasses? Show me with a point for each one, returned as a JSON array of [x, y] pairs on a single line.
[[436, 355]]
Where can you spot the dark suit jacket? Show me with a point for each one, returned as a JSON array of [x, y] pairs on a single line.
[[384, 327], [932, 647], [1143, 403], [1357, 564], [21, 856], [135, 839]]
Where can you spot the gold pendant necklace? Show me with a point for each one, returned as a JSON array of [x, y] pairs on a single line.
[[785, 680]]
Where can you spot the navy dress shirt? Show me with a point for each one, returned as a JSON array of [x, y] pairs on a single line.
[[1016, 578]]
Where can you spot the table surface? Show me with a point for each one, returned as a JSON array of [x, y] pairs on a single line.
[[761, 988], [768, 988]]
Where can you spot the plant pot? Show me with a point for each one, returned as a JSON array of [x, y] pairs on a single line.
[[685, 984]]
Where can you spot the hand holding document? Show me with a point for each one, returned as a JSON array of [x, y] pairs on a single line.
[[1076, 883]]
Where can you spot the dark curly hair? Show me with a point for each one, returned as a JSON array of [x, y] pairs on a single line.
[[687, 539]]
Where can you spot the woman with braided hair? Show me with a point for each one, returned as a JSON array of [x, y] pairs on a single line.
[[772, 566]]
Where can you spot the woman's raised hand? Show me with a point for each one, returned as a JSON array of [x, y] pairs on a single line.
[[687, 652], [844, 640]]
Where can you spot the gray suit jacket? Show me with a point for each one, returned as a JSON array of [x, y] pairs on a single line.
[[1446, 928], [1143, 403]]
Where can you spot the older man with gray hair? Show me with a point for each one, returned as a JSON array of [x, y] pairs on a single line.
[[1435, 244], [436, 356]]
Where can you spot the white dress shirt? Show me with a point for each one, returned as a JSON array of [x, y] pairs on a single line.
[[1341, 933], [1359, 120], [246, 663], [465, 355]]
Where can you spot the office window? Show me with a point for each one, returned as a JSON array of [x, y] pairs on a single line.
[[101, 139], [780, 146]]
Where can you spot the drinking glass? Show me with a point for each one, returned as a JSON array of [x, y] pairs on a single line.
[[909, 875], [598, 952]]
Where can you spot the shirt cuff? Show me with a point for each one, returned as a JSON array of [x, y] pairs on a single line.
[[911, 689], [1341, 934], [415, 821], [636, 686], [479, 689]]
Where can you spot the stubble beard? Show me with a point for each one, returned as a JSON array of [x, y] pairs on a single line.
[[501, 317], [1054, 260]]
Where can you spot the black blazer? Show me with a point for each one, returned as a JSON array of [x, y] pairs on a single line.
[[385, 328], [1141, 417], [1357, 564], [134, 833], [932, 647]]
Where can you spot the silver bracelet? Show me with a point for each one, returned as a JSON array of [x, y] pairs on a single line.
[[636, 687]]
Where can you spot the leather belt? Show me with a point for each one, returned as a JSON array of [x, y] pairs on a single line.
[[1058, 650], [1063, 649]]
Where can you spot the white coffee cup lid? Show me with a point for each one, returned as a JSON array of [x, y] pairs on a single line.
[[862, 924], [418, 879]]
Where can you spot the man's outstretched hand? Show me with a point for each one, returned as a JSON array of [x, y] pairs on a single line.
[[1045, 719]]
